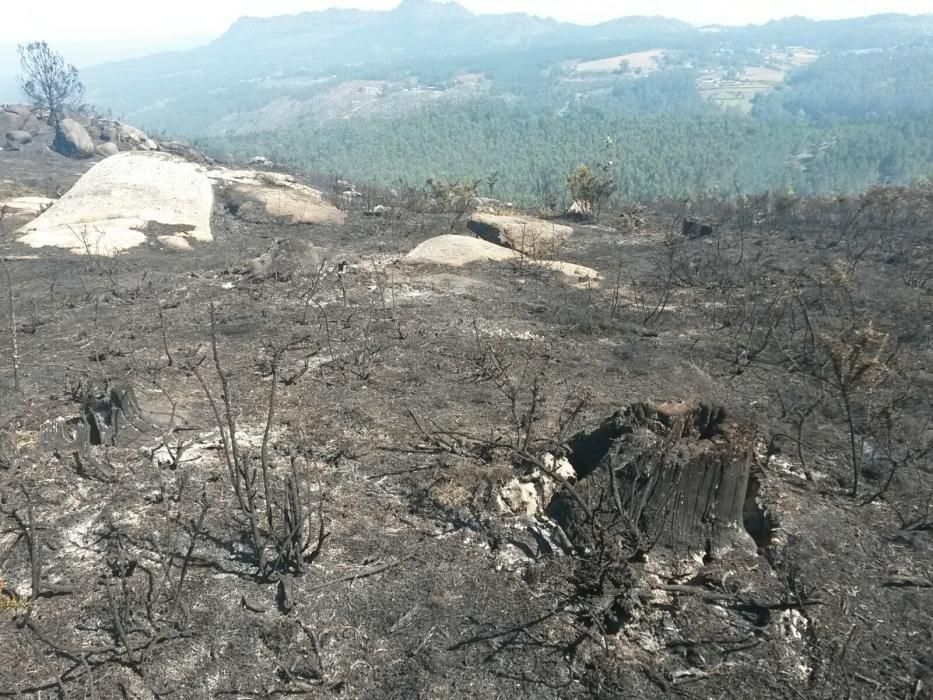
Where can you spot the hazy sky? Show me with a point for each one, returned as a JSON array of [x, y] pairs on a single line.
[[115, 19], [93, 32]]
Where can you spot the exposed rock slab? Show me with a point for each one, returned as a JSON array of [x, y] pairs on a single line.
[[22, 111], [291, 205], [115, 205], [583, 276], [108, 149], [130, 135], [176, 243], [528, 235], [14, 118], [25, 207], [456, 251], [72, 140], [18, 137], [185, 150], [259, 197]]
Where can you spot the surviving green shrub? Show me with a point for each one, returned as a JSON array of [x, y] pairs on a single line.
[[457, 198], [590, 188]]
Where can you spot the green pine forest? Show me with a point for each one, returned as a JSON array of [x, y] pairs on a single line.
[[842, 124], [654, 155]]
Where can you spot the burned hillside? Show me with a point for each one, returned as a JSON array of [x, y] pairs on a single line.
[[292, 458]]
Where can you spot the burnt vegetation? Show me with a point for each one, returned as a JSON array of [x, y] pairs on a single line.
[[287, 464]]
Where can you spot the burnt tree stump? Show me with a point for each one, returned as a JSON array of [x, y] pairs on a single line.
[[696, 229], [110, 415], [672, 475]]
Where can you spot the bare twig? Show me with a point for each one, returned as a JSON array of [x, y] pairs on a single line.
[[14, 347]]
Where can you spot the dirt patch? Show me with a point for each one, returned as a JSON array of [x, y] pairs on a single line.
[[642, 62]]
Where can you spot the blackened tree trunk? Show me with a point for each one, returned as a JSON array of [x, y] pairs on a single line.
[[673, 476]]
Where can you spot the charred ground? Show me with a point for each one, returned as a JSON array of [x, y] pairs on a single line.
[[388, 408]]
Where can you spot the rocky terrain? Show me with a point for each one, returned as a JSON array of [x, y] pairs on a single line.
[[268, 436]]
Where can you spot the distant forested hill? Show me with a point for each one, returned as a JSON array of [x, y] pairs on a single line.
[[433, 90], [654, 154], [859, 85]]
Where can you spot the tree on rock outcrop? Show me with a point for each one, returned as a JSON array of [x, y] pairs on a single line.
[[51, 84]]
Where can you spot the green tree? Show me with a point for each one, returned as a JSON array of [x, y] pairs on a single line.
[[591, 187], [889, 169]]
